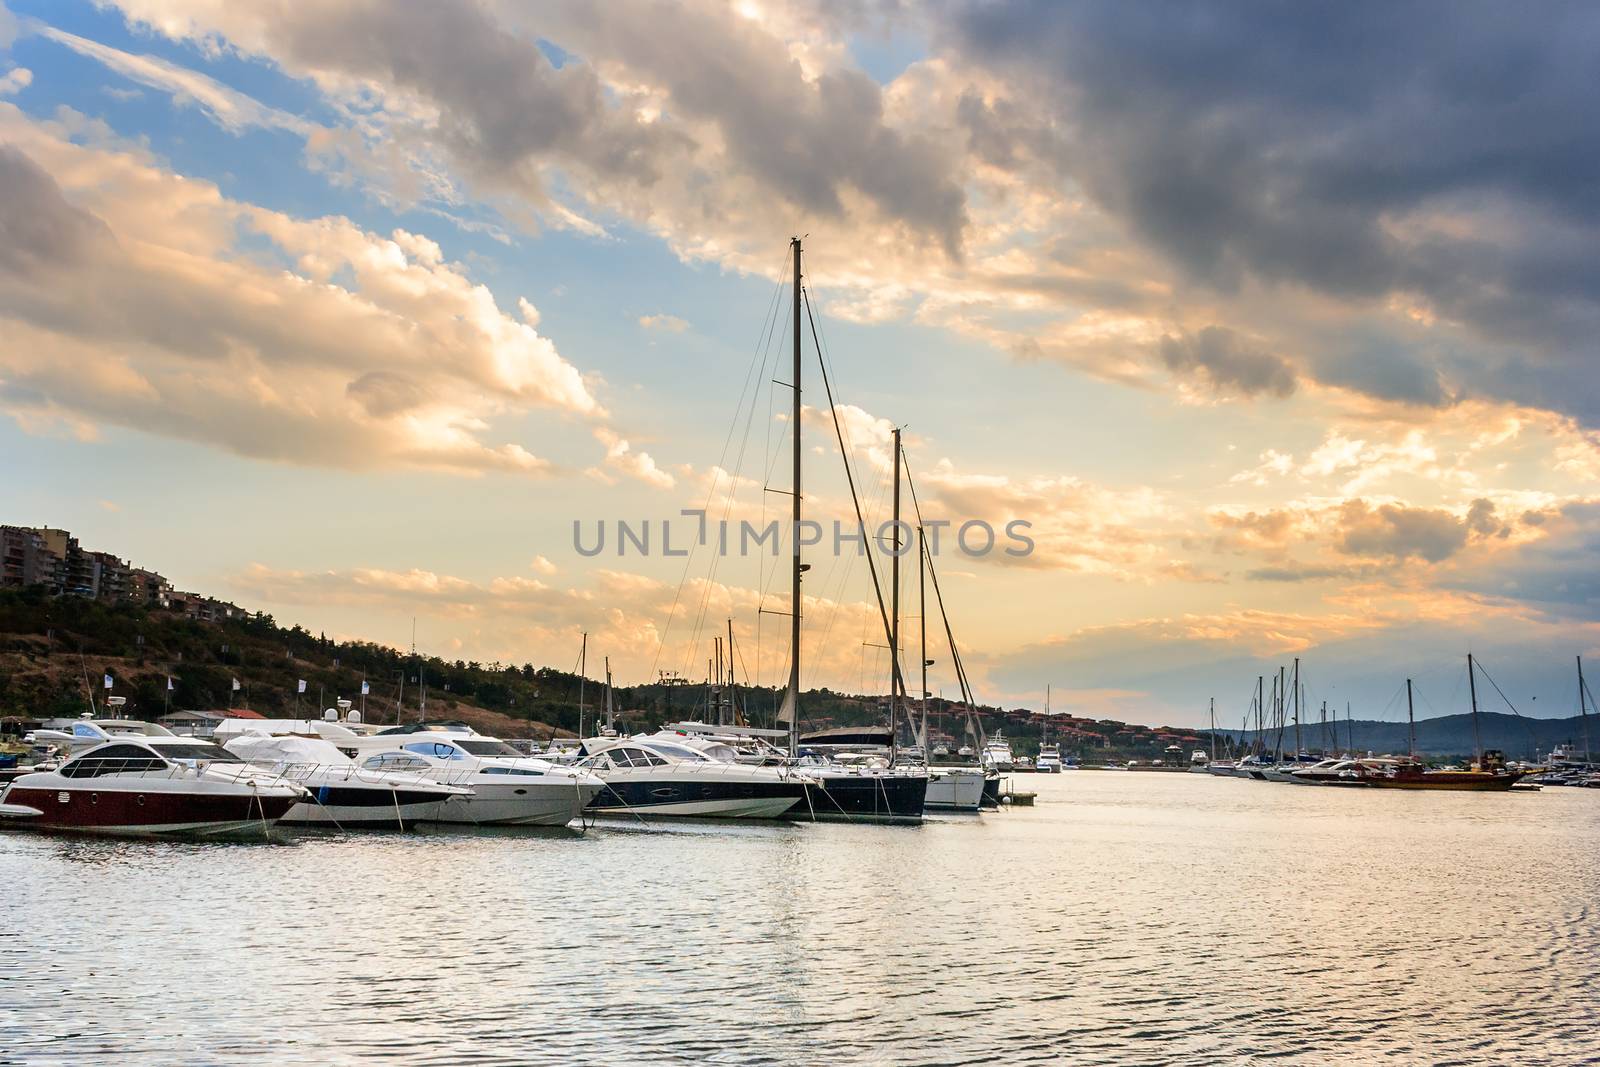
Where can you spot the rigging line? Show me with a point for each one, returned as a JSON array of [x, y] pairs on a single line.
[[1482, 671], [733, 488], [837, 590], [861, 522], [837, 595], [1513, 707], [768, 325]]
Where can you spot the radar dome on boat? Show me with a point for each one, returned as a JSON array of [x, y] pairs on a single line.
[[330, 715], [354, 716]]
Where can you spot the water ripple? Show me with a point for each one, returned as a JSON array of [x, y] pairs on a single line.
[[1146, 919]]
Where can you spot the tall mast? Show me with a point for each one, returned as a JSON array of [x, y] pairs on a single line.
[[608, 692], [1583, 709], [922, 639], [1411, 719], [583, 669], [792, 702], [1472, 685], [1213, 729], [1297, 708], [1261, 696], [894, 605]]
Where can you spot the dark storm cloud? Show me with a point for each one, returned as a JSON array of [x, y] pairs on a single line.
[[1228, 362], [1361, 149]]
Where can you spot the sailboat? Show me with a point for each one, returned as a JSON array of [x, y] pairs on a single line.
[[1488, 772], [873, 787]]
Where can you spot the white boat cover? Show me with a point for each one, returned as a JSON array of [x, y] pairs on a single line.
[[288, 749]]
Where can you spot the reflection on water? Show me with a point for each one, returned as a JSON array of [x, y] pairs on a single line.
[[1125, 919]]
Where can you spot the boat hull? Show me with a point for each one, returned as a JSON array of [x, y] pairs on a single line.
[[515, 805], [698, 799], [347, 807], [149, 813], [1454, 781], [868, 797], [954, 791]]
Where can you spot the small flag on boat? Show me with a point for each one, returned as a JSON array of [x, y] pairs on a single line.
[[236, 685], [302, 688], [169, 683], [108, 681], [365, 688]]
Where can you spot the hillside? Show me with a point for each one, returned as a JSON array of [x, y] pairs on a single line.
[[54, 651]]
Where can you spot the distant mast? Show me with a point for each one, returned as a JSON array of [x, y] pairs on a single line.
[[1411, 719], [583, 668], [1583, 710]]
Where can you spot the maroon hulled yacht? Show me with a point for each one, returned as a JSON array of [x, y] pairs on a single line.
[[150, 786]]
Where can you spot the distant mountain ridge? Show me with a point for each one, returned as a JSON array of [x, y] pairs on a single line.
[[1519, 737]]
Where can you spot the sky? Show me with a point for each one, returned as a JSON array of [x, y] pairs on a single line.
[[1275, 322]]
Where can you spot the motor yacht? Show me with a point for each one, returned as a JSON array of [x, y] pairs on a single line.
[[151, 786], [508, 788], [341, 792], [997, 753], [1049, 761], [85, 733], [657, 776]]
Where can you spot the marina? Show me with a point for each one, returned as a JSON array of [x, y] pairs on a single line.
[[696, 941], [761, 533]]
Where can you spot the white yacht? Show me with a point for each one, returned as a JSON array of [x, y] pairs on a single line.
[[508, 788], [1049, 761], [656, 776], [954, 789], [997, 753], [342, 793], [150, 785], [86, 732]]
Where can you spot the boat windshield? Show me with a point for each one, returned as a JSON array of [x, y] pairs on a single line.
[[680, 751], [198, 750], [477, 746]]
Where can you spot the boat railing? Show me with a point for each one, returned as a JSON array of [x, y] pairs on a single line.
[[347, 772], [89, 768]]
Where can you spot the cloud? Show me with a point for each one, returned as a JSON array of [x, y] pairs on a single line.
[[629, 122], [639, 466], [663, 322], [15, 80], [1399, 533], [1227, 362], [232, 110], [132, 296], [1336, 153]]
